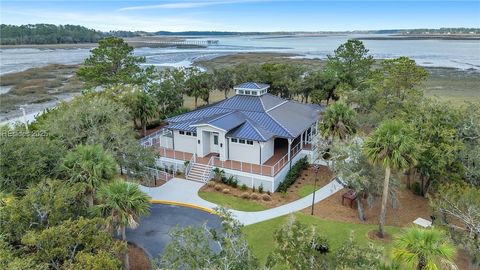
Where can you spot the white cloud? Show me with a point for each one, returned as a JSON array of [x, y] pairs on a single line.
[[186, 5], [106, 21]]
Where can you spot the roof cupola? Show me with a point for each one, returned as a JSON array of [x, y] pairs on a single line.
[[251, 89]]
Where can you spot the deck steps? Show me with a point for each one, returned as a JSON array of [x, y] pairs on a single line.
[[199, 172]]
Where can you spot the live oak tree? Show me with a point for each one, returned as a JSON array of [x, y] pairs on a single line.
[[436, 132], [224, 79], [27, 160], [198, 85], [72, 242], [457, 207], [392, 145], [99, 120], [360, 175], [111, 63], [45, 204]]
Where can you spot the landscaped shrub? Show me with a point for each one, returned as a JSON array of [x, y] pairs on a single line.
[[245, 195], [260, 189], [253, 189], [226, 190], [218, 174], [293, 174], [218, 187], [243, 187], [211, 184], [416, 189], [268, 192], [266, 197], [254, 196], [231, 181]]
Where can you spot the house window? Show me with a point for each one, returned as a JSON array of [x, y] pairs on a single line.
[[250, 142], [194, 134], [240, 92], [241, 141], [189, 134], [234, 140], [247, 92], [181, 132]]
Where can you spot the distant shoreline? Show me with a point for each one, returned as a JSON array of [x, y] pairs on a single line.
[[422, 37]]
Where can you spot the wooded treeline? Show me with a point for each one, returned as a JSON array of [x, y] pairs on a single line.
[[55, 34]]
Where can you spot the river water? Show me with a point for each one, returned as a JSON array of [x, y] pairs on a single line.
[[460, 54]]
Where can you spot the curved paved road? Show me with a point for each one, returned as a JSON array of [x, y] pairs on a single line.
[[152, 234]]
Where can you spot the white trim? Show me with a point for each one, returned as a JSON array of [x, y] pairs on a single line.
[[276, 106], [208, 125]]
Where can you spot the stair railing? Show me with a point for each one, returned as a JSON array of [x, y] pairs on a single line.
[[207, 174], [190, 164]]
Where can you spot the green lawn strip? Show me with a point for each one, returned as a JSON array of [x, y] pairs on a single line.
[[306, 190], [260, 235], [229, 201]]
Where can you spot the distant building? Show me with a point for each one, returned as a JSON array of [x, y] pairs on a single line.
[[254, 136]]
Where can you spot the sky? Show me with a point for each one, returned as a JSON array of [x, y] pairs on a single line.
[[243, 15]]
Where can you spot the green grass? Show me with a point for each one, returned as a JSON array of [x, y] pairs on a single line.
[[229, 201], [260, 235], [306, 190]]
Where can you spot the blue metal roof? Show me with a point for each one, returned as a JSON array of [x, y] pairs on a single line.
[[256, 118], [243, 103], [252, 85], [250, 131]]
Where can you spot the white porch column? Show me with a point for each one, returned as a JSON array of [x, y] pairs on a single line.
[[289, 150], [301, 139]]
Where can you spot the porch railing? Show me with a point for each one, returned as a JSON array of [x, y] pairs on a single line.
[[159, 174], [266, 170]]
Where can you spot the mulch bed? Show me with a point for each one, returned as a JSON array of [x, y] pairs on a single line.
[[410, 207], [138, 259], [307, 178], [375, 235]]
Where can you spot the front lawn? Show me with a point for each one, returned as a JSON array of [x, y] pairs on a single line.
[[306, 190], [231, 202], [260, 235]]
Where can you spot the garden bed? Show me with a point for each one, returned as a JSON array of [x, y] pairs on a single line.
[[247, 199], [410, 207]]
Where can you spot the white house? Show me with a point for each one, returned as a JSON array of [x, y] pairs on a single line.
[[253, 135]]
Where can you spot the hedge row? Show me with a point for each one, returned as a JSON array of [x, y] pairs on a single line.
[[293, 174]]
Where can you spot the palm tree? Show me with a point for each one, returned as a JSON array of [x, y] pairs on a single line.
[[424, 248], [393, 146], [122, 203], [339, 121], [91, 165], [143, 108]]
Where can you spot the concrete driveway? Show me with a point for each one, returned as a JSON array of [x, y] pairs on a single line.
[[186, 192], [152, 234]]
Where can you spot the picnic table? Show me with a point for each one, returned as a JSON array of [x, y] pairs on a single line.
[[350, 195]]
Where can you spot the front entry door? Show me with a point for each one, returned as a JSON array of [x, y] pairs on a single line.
[[214, 143]]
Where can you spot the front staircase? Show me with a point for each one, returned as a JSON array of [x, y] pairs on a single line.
[[199, 172]]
